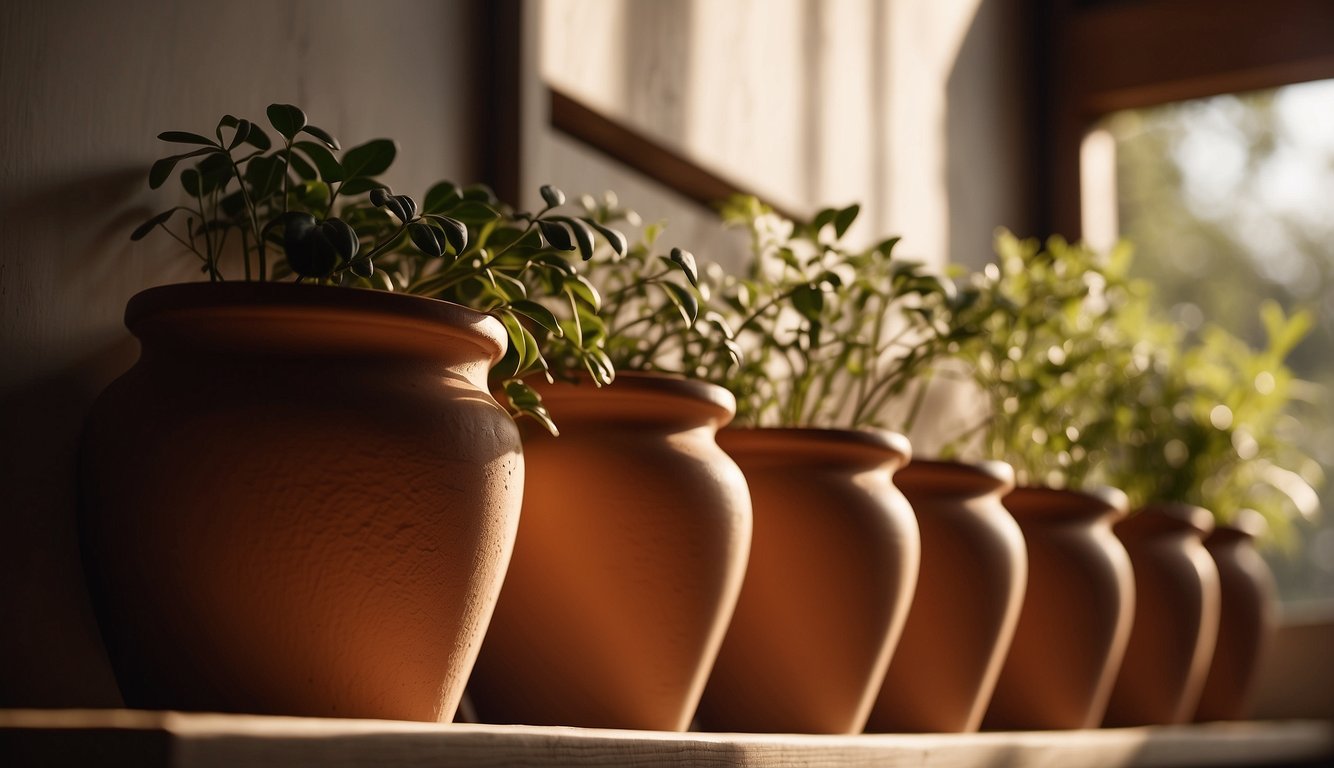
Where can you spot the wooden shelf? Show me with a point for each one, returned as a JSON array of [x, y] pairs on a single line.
[[99, 738]]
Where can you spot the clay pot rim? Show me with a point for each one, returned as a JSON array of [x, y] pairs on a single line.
[[1176, 514], [717, 400], [1113, 501], [237, 295], [990, 469], [869, 437]]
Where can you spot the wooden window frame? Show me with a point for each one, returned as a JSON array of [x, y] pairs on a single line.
[[1100, 56]]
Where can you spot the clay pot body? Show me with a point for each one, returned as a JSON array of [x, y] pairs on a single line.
[[831, 577], [300, 500], [963, 617], [1247, 622], [1176, 616], [636, 528], [1076, 617]]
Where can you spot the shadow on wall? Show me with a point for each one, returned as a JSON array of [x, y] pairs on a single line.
[[989, 162], [50, 650]]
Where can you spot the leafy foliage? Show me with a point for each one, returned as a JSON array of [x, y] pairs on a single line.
[[1202, 420], [651, 317], [300, 210], [1046, 359], [831, 334]]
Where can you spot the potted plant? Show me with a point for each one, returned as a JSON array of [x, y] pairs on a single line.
[[1198, 432], [302, 498], [835, 553], [636, 529], [1040, 363]]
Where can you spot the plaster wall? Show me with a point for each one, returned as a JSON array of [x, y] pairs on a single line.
[[85, 87]]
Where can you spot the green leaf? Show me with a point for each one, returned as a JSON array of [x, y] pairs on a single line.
[[286, 119], [242, 131], [557, 235], [686, 261], [615, 238], [323, 135], [553, 196], [439, 197], [583, 235], [684, 299], [185, 137], [258, 139], [340, 235], [579, 288], [456, 232], [358, 186], [162, 169], [525, 401], [304, 169], [538, 314], [844, 218], [599, 366], [473, 212], [809, 301], [148, 226], [426, 238], [480, 193], [330, 169], [370, 159], [264, 175]]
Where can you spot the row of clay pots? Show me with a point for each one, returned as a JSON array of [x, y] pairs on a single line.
[[960, 603], [303, 501]]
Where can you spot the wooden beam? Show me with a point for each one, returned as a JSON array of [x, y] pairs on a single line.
[[637, 151], [1136, 54]]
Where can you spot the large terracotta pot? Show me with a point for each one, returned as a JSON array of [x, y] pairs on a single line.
[[831, 577], [1176, 616], [300, 500], [971, 587], [1248, 620], [1075, 622], [636, 528]]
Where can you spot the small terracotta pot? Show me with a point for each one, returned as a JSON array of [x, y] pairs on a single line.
[[963, 617], [300, 500], [635, 532], [1077, 612], [1176, 616], [831, 576], [1248, 620]]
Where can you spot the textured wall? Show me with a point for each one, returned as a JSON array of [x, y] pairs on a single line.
[[85, 87], [910, 108]]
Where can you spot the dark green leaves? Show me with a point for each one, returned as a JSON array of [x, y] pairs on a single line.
[[557, 235], [525, 400], [286, 119], [148, 226], [161, 170], [185, 137], [552, 196], [329, 167], [686, 261], [316, 249], [370, 159]]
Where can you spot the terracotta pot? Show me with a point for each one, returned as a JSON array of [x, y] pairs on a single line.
[[1248, 620], [636, 528], [1176, 616], [831, 577], [974, 569], [1077, 611], [300, 500]]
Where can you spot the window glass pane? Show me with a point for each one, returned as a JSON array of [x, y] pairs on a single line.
[[1230, 201]]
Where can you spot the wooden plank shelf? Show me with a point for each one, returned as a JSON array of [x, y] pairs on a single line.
[[113, 738]]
